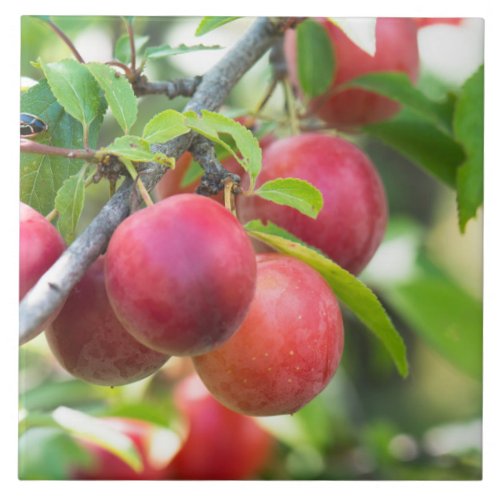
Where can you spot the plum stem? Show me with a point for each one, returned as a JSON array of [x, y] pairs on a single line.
[[290, 105], [229, 195], [60, 33]]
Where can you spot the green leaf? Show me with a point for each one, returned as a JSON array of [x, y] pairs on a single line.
[[271, 228], [295, 193], [352, 292], [167, 50], [134, 148], [209, 23], [212, 125], [43, 175], [468, 125], [44, 453], [315, 58], [118, 93], [122, 47], [421, 142], [398, 86], [75, 89], [445, 315], [69, 204], [165, 126], [98, 432]]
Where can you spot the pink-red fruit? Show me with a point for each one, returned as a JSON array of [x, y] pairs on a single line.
[[396, 50], [352, 222], [90, 343], [180, 275], [288, 347], [40, 245], [220, 443]]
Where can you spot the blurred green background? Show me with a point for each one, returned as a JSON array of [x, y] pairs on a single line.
[[368, 423]]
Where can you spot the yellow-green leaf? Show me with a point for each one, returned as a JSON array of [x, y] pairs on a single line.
[[118, 93], [295, 193]]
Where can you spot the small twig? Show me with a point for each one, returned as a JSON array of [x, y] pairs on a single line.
[[86, 137], [267, 96], [29, 146], [280, 71], [171, 88], [122, 66], [90, 178], [112, 187], [314, 127], [278, 60], [290, 105], [66, 40], [229, 202], [215, 174], [140, 186], [52, 215], [130, 31]]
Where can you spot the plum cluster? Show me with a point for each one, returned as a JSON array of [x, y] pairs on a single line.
[[182, 278]]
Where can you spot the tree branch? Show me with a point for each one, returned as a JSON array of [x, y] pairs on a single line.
[[54, 286], [171, 88], [29, 146], [215, 174]]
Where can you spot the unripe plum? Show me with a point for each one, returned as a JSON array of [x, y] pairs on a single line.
[[396, 50], [181, 274], [40, 245], [152, 443], [220, 443], [288, 347], [90, 343], [352, 222]]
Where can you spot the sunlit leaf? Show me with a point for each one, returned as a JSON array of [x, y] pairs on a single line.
[[165, 126], [118, 93], [211, 23], [99, 432], [74, 88], [295, 193]]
